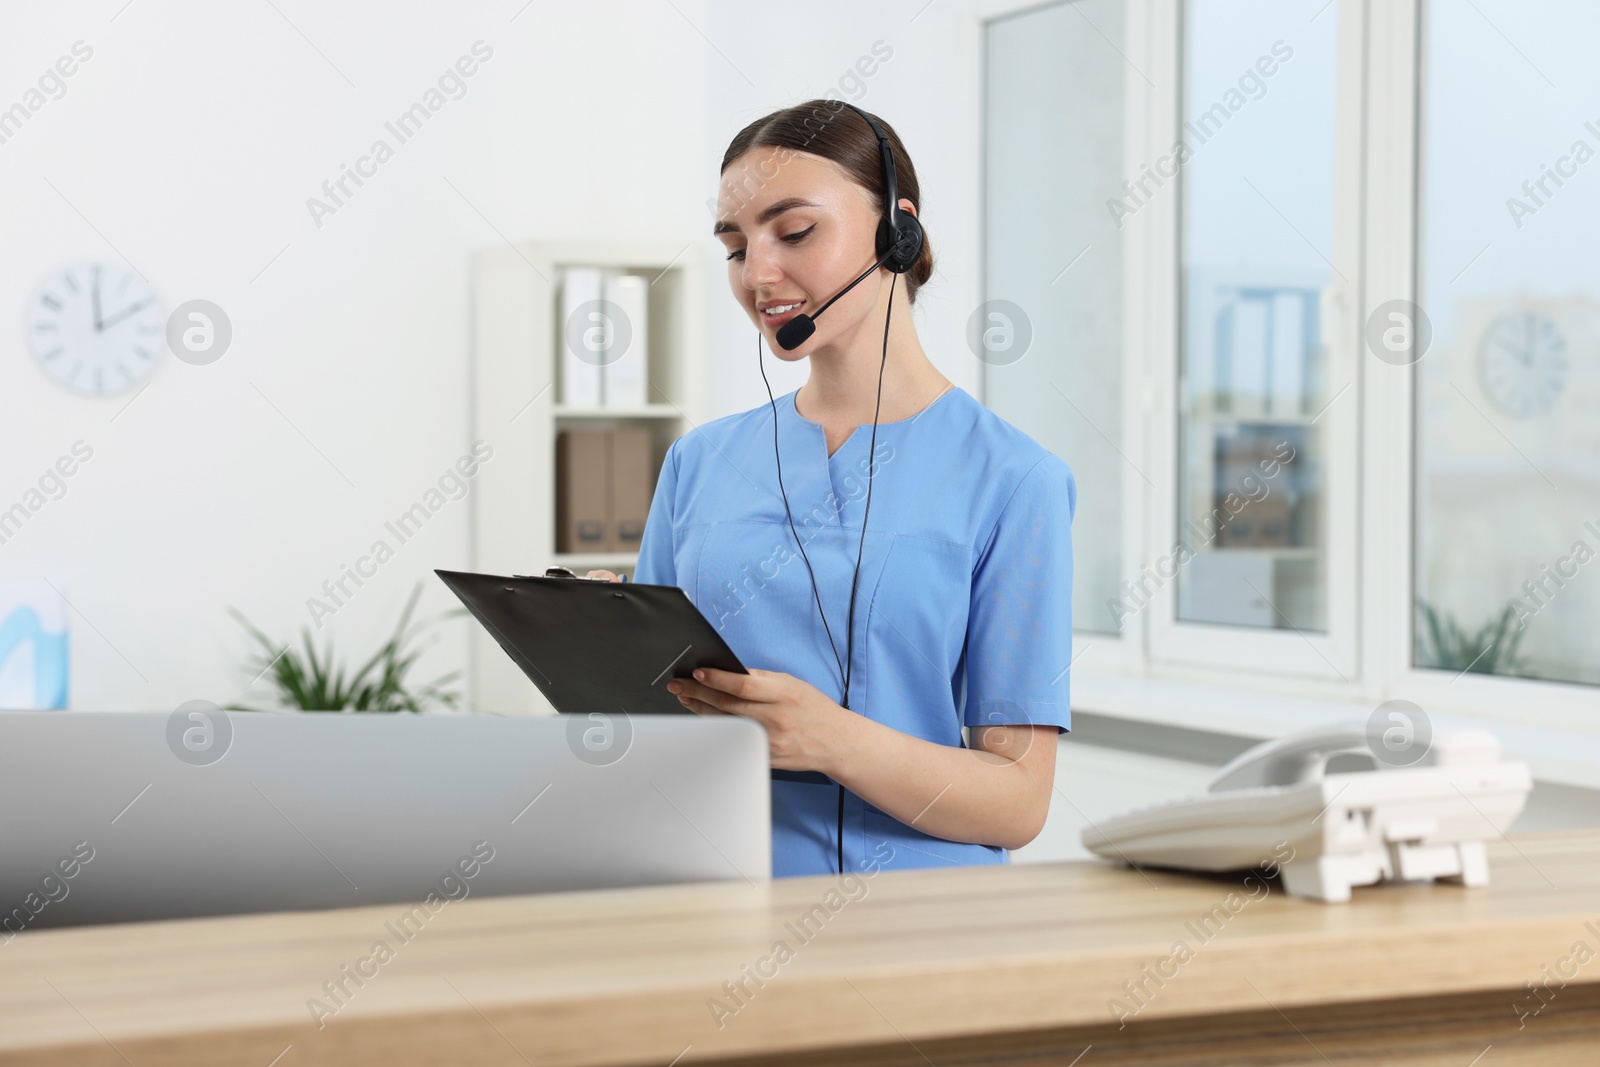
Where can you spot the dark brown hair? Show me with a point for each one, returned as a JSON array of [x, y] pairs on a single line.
[[829, 129]]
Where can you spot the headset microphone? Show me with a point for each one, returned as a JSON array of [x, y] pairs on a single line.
[[793, 334]]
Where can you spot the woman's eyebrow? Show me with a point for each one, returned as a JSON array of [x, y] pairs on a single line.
[[768, 213]]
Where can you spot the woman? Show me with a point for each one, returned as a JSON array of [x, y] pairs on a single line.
[[959, 610]]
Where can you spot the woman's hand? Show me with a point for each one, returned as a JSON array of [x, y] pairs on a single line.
[[607, 575], [806, 729]]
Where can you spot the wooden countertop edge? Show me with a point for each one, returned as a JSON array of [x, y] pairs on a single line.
[[868, 1005]]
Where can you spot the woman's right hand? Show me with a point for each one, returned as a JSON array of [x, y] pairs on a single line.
[[607, 575]]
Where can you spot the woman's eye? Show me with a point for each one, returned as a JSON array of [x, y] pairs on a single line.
[[792, 238]]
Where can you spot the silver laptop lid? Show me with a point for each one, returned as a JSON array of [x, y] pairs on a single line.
[[116, 816]]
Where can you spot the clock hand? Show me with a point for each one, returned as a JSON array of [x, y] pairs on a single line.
[[96, 290], [1522, 356], [124, 313]]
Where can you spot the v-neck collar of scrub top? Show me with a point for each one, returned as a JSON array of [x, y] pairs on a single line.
[[792, 408], [834, 483]]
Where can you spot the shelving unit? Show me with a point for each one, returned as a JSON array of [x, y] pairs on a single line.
[[515, 393], [648, 411]]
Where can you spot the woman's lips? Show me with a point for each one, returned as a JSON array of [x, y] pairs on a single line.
[[779, 320]]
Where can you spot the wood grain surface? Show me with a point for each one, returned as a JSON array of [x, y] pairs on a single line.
[[965, 965]]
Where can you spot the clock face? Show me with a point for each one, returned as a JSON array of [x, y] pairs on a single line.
[[97, 328], [1524, 362]]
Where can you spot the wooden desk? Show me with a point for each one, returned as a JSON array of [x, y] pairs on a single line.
[[969, 965]]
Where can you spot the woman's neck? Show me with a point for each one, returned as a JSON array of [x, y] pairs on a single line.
[[842, 390]]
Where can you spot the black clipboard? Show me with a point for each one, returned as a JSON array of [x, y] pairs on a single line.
[[592, 642]]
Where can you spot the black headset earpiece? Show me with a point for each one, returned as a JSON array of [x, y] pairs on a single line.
[[896, 230]]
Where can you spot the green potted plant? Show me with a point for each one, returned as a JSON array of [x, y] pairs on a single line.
[[1442, 643], [309, 680]]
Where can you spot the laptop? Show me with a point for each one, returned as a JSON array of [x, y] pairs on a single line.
[[120, 816]]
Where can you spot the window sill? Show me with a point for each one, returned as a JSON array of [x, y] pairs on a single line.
[[1568, 757]]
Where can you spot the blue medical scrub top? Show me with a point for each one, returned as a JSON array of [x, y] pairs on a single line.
[[963, 607]]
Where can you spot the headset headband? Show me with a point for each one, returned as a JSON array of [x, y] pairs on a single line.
[[898, 231], [891, 186]]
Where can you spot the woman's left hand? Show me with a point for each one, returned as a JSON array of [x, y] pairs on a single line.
[[805, 727]]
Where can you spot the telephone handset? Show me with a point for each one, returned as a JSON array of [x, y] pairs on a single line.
[[1296, 758], [1425, 819], [1304, 756]]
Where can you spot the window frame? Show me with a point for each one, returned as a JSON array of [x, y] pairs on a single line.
[[1331, 655], [1563, 707]]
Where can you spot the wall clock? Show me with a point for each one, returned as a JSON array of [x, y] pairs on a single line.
[[96, 328], [1523, 361]]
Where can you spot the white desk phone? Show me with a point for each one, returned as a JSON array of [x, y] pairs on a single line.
[[1423, 821]]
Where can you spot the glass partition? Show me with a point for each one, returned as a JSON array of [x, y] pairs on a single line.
[[1049, 333]]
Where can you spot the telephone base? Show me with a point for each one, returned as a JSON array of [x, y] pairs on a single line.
[[1329, 878]]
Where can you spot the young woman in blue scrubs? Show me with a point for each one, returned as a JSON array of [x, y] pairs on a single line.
[[963, 602]]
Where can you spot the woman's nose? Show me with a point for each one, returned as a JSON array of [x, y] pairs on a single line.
[[760, 270]]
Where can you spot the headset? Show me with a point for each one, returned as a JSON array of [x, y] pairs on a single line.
[[898, 244]]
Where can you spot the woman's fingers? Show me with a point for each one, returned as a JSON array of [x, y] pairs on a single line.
[[716, 700], [700, 707], [689, 697], [607, 575], [679, 689], [743, 686]]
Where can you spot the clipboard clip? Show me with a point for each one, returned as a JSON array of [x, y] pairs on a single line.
[[563, 572]]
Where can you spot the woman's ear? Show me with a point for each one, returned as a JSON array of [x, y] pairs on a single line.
[[908, 207]]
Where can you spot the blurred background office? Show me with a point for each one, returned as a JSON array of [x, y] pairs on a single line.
[[1299, 288]]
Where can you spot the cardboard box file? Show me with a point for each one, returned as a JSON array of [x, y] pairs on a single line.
[[603, 489], [630, 486], [582, 493]]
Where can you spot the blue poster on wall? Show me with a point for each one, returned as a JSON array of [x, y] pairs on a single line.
[[33, 646]]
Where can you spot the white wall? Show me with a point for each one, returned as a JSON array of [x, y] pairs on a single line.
[[189, 143]]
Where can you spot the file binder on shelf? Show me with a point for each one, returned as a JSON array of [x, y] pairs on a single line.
[[581, 332], [627, 356]]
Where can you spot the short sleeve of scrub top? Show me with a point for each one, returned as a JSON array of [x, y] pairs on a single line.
[[963, 613]]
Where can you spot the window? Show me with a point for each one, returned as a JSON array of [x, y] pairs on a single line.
[[1508, 364], [1257, 174], [1049, 332], [1332, 382]]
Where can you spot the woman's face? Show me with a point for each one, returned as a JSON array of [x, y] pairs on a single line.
[[797, 230]]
